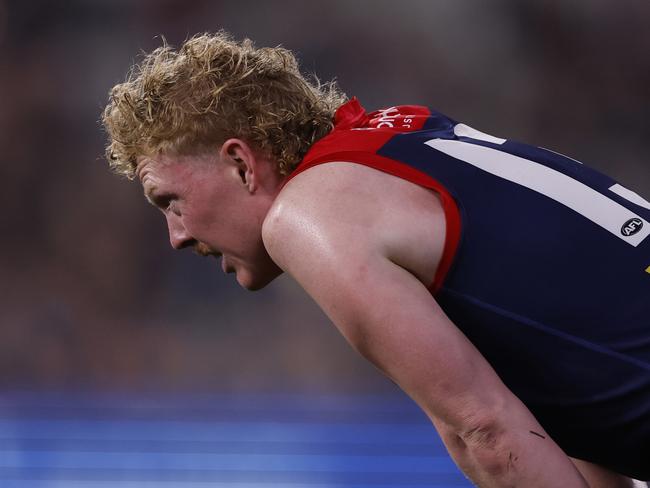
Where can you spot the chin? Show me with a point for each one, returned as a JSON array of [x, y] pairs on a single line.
[[252, 282]]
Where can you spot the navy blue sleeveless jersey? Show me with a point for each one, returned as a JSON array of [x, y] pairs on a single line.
[[546, 269]]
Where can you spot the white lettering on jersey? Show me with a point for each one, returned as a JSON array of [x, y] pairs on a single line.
[[388, 118]]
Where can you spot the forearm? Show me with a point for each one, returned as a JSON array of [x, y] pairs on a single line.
[[511, 452], [492, 436], [387, 315], [489, 432]]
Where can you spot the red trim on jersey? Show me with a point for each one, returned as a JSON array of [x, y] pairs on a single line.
[[357, 137], [395, 168]]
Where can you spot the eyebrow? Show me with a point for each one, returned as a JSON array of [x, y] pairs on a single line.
[[149, 192], [159, 200]]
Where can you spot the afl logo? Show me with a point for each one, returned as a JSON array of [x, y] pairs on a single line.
[[631, 227]]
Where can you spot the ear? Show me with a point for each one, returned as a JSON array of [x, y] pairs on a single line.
[[242, 163]]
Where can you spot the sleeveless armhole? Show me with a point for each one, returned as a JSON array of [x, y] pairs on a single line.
[[401, 170]]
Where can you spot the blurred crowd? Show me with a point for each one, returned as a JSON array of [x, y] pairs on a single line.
[[91, 294]]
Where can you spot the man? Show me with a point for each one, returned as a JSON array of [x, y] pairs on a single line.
[[504, 287]]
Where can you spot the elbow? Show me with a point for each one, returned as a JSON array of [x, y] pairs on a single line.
[[492, 453], [485, 433], [488, 445], [483, 449]]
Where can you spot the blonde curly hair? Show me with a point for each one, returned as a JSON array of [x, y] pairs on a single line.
[[187, 101]]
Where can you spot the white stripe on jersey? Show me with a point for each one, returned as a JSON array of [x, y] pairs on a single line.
[[595, 206], [621, 191]]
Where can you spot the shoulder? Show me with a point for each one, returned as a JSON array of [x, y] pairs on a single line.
[[361, 244], [350, 208]]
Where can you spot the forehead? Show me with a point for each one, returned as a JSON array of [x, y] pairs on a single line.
[[149, 166], [167, 169], [170, 174]]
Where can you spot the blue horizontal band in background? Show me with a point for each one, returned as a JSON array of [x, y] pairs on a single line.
[[69, 440]]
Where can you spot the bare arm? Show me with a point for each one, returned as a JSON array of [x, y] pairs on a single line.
[[388, 315]]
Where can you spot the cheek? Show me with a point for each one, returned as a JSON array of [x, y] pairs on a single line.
[[230, 228], [214, 230], [199, 220]]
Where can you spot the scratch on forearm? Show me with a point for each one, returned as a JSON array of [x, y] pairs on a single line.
[[537, 434]]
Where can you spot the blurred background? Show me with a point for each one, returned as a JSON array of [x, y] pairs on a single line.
[[92, 297]]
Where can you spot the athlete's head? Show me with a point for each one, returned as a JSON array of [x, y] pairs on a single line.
[[191, 100], [211, 129]]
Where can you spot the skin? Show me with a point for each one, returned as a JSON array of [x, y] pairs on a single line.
[[365, 245], [215, 205]]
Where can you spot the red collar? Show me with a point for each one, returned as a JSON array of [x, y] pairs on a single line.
[[350, 114]]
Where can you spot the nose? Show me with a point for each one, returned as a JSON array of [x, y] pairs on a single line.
[[179, 238]]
